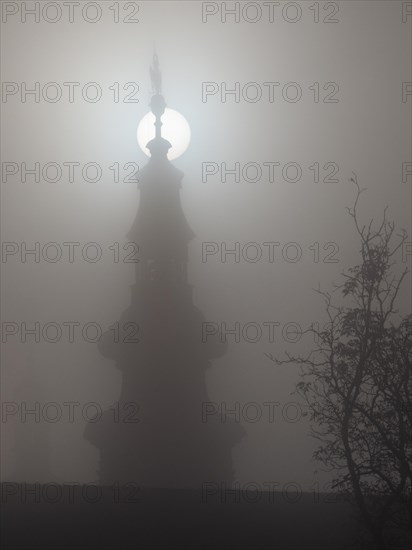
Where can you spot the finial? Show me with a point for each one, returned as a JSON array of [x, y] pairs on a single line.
[[156, 75], [158, 146]]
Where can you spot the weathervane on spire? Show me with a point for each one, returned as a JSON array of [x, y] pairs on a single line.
[[156, 75], [157, 146]]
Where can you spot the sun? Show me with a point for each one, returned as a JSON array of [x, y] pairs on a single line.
[[175, 129]]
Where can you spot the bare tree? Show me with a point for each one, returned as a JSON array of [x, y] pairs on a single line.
[[357, 384]]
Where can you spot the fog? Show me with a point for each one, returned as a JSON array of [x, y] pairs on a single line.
[[357, 118]]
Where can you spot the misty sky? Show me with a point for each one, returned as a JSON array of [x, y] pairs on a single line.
[[363, 58]]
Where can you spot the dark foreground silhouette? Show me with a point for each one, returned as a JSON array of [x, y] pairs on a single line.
[[126, 517]]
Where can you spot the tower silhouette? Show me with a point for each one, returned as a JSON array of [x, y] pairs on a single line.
[[155, 434]]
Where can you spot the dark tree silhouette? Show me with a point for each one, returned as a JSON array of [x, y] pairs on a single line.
[[357, 384]]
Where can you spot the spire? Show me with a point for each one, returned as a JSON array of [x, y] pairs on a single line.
[[158, 146], [166, 371]]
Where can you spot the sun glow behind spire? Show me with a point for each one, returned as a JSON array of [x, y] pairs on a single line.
[[175, 129]]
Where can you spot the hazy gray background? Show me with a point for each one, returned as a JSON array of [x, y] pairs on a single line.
[[367, 53]]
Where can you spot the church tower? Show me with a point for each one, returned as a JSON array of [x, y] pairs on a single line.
[[160, 438]]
